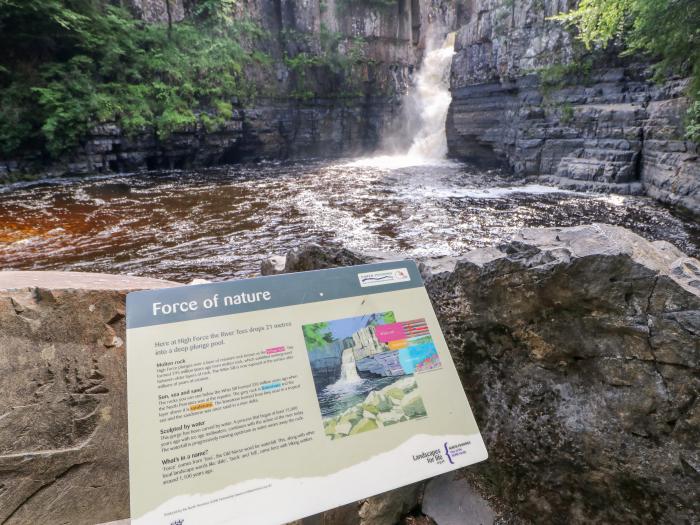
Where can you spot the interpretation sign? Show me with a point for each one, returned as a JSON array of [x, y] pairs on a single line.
[[265, 400]]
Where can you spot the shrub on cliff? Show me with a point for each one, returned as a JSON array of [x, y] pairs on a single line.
[[70, 64], [668, 30]]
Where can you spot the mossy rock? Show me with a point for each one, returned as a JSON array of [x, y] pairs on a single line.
[[363, 426], [395, 393], [379, 400], [390, 418], [371, 409], [352, 415], [412, 406]]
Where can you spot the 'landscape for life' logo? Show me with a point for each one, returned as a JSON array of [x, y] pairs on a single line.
[[459, 449], [398, 275], [177, 522]]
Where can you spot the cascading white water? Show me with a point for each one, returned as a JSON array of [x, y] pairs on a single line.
[[433, 96], [348, 371], [424, 113]]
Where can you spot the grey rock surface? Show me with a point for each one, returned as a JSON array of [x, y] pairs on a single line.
[[311, 257], [579, 349], [450, 500], [63, 431], [157, 10], [603, 127], [383, 509]]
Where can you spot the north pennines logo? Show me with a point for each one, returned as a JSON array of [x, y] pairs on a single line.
[[397, 275]]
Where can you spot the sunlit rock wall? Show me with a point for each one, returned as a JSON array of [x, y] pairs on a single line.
[[157, 10]]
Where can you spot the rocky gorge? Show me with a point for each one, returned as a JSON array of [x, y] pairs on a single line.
[[577, 347], [310, 99], [524, 97]]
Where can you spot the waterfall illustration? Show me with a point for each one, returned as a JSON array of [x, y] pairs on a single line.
[[348, 371]]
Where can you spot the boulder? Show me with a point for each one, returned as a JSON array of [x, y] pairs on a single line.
[[63, 427], [450, 500], [412, 405], [311, 257], [579, 351]]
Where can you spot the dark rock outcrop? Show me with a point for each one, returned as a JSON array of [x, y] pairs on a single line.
[[311, 257], [600, 124], [273, 129], [579, 349]]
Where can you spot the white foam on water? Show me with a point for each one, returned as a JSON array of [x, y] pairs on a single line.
[[497, 192]]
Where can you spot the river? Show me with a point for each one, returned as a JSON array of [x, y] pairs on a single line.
[[219, 223]]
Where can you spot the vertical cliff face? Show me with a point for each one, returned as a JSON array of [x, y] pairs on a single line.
[[157, 10], [523, 96], [327, 77]]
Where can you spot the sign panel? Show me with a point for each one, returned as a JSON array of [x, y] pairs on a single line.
[[266, 400]]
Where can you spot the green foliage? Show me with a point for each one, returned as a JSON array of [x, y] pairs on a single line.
[[73, 64], [667, 30], [692, 126], [316, 335], [566, 113], [338, 58], [220, 12], [557, 76]]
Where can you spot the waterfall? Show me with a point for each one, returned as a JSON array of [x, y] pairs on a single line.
[[348, 371], [420, 138], [432, 98]]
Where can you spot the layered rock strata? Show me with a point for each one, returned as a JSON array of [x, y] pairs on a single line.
[[523, 97], [298, 111]]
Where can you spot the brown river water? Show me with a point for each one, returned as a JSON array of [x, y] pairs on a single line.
[[219, 223]]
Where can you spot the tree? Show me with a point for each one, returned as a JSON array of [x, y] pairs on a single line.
[[665, 30], [317, 335]]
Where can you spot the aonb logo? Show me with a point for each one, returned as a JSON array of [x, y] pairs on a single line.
[[398, 275], [177, 522]]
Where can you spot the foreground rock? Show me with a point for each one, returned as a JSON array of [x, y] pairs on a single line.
[[450, 500], [63, 430], [579, 349]]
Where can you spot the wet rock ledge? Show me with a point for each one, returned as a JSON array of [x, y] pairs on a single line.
[[578, 348]]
